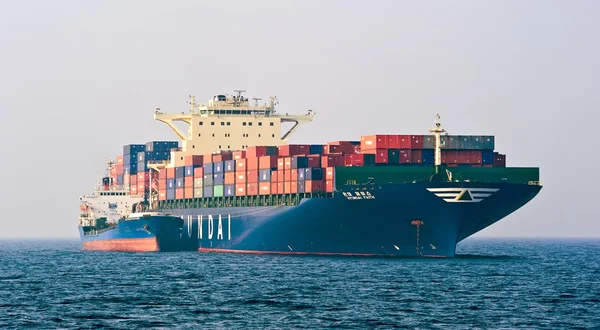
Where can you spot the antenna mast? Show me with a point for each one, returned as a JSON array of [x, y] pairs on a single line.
[[437, 130]]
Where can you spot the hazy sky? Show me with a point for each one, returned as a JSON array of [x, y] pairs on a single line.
[[79, 79]]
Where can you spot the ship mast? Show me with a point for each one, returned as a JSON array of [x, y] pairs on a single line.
[[437, 130]]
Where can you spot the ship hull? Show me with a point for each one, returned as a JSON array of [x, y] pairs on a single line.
[[413, 219], [151, 234]]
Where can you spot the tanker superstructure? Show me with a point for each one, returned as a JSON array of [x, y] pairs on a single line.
[[240, 187]]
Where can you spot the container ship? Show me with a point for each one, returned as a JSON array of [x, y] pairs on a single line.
[[238, 186]]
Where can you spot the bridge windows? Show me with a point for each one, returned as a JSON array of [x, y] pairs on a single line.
[[228, 123], [244, 124], [258, 135], [260, 123], [222, 123], [212, 123], [272, 124], [249, 123], [200, 123], [272, 135]]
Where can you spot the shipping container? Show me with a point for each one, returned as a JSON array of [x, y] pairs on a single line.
[[170, 194], [188, 192], [189, 182], [274, 188], [180, 183], [464, 142], [329, 186], [313, 174], [314, 186], [259, 151], [199, 172], [240, 165], [240, 177], [252, 164], [180, 172], [229, 166], [240, 189], [170, 184], [161, 145], [287, 175], [416, 156], [194, 160], [329, 173], [488, 142], [499, 160], [119, 160], [145, 156], [280, 188], [229, 190], [288, 150], [252, 189], [120, 180], [142, 177], [133, 149], [218, 167], [339, 147], [381, 156], [208, 179], [170, 172], [189, 170], [308, 161], [475, 156], [428, 157], [287, 187], [264, 188], [416, 142], [162, 195], [450, 157], [464, 157], [301, 187], [162, 174], [252, 176], [179, 193], [274, 176], [239, 155], [451, 142], [332, 160], [393, 156], [315, 149], [394, 141], [264, 175], [429, 142], [229, 178], [476, 142], [133, 179], [198, 192], [287, 163], [487, 157], [405, 156], [280, 164], [301, 174], [208, 168], [405, 141], [198, 182], [354, 160], [294, 187], [280, 176], [207, 191], [267, 162], [218, 179], [374, 142]]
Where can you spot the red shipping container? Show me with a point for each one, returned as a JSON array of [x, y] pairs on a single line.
[[374, 142], [199, 172], [286, 187], [288, 150], [464, 157], [252, 189], [287, 163], [240, 189], [280, 188], [405, 141], [240, 177], [332, 160], [499, 160], [329, 173], [280, 177], [314, 186], [217, 158], [239, 155], [117, 169], [274, 176], [416, 142], [287, 176], [280, 164], [475, 156], [329, 186], [240, 165], [162, 195], [119, 160], [179, 193], [189, 182], [354, 160], [451, 157], [252, 176], [162, 174], [256, 151], [267, 162], [294, 174], [274, 188], [142, 176], [189, 192], [314, 161], [230, 178], [170, 172], [416, 156], [133, 179], [141, 188], [394, 141], [192, 160], [405, 156], [252, 164], [162, 184], [293, 187], [133, 189], [381, 155], [264, 188]]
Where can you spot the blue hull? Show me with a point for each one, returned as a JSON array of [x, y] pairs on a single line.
[[389, 221], [155, 233]]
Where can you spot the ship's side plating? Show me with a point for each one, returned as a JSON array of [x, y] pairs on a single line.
[[420, 219]]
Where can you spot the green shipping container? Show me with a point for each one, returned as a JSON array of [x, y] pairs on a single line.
[[218, 191], [488, 143]]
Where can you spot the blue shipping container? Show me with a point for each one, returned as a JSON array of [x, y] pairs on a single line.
[[146, 156], [230, 166], [301, 187], [208, 168], [179, 183], [189, 170], [218, 167], [208, 180], [229, 190], [302, 174], [315, 173], [180, 172], [170, 194], [487, 157], [131, 168], [208, 190], [427, 156], [170, 183], [119, 179], [315, 149], [161, 145], [264, 175], [133, 149], [299, 162], [218, 179]]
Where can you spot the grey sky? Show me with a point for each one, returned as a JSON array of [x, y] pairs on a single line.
[[79, 79]]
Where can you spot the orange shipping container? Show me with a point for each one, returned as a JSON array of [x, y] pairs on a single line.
[[240, 165], [179, 193], [189, 192], [252, 189], [329, 173], [280, 189], [170, 172], [267, 162], [240, 189], [189, 182], [230, 178], [240, 177], [374, 142], [194, 160], [133, 179], [280, 163], [239, 155], [287, 177], [264, 188], [252, 164], [162, 184], [294, 174], [287, 163], [294, 187], [286, 187], [133, 189], [280, 177], [274, 176], [252, 176], [162, 174], [162, 195], [329, 186], [119, 160], [274, 188], [199, 172], [142, 176]]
